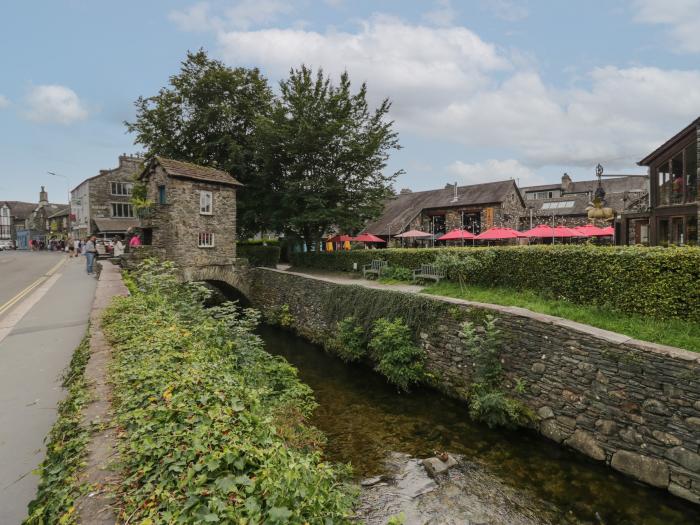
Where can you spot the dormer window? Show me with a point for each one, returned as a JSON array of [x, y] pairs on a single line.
[[205, 203]]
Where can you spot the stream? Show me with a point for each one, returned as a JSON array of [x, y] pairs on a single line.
[[503, 477]]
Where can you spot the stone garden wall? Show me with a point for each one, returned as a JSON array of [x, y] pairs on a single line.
[[631, 404]]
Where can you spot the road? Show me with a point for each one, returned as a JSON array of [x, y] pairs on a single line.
[[45, 303]]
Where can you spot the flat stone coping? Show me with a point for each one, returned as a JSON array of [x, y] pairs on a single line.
[[606, 335]]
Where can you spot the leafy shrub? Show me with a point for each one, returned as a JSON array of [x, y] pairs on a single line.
[[659, 282], [463, 268], [214, 429], [280, 316], [259, 255], [397, 356], [349, 343], [398, 273], [487, 402]]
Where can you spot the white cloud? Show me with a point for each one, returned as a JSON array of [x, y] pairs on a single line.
[[507, 10], [53, 103], [4, 101], [442, 15], [241, 15], [681, 16], [492, 170]]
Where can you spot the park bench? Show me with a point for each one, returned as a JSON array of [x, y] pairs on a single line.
[[428, 271], [376, 267]]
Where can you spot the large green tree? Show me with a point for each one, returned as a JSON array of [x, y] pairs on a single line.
[[207, 115], [322, 156]]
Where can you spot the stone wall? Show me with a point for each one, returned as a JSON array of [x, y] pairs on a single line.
[[176, 224], [631, 404], [100, 197]]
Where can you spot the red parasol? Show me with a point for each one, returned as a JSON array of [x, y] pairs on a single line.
[[368, 237], [608, 231], [494, 234], [340, 238], [590, 230], [544, 231], [413, 234], [456, 235]]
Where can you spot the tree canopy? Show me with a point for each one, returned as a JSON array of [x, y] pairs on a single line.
[[322, 155], [207, 115], [311, 159]]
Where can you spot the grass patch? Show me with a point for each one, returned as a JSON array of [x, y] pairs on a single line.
[[65, 450], [673, 332]]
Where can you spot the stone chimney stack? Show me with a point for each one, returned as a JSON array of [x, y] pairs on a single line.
[[43, 197], [565, 182]]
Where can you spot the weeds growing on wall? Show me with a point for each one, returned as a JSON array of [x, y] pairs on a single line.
[[398, 358], [59, 486], [349, 341], [214, 429], [487, 401]]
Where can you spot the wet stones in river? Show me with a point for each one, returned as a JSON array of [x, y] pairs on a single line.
[[437, 465]]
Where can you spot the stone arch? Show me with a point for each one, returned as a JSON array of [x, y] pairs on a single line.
[[233, 276]]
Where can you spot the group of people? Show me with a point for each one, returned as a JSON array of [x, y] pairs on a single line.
[[88, 248]]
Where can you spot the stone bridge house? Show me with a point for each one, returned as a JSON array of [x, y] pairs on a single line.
[[192, 219]]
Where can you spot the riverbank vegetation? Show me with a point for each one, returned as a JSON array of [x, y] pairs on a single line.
[[213, 428], [66, 448], [673, 332]]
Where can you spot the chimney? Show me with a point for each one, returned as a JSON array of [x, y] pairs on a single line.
[[454, 196], [565, 182], [43, 197]]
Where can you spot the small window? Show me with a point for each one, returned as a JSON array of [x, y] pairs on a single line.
[[205, 202], [122, 209], [206, 240], [122, 188], [161, 195]]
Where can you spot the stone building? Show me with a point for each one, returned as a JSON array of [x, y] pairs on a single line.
[[101, 205], [673, 213], [566, 203], [21, 222], [476, 207], [192, 220], [13, 215]]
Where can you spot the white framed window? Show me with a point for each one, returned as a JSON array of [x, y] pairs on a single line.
[[122, 209], [206, 240], [205, 203], [122, 188]]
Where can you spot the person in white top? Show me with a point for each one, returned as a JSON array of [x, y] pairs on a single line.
[[118, 247]]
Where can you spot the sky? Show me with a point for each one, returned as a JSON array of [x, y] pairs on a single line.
[[482, 90]]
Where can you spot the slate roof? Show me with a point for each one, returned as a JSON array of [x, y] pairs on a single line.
[[60, 212], [630, 183], [670, 143], [187, 170], [401, 209], [20, 210]]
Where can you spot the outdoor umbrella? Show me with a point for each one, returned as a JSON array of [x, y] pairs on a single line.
[[590, 230], [608, 231], [544, 231], [413, 234], [456, 235], [340, 238], [495, 234], [368, 237]]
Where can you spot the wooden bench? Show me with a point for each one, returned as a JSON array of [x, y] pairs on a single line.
[[376, 267], [428, 271]]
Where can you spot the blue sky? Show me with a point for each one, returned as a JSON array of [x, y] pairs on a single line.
[[482, 90]]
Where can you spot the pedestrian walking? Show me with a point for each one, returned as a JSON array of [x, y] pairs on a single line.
[[71, 247], [118, 247], [135, 241], [90, 254]]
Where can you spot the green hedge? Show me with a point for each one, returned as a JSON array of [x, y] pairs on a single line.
[[259, 255], [662, 282]]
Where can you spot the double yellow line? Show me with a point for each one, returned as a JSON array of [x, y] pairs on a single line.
[[21, 295]]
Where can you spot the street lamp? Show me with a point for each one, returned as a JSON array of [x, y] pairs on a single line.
[[70, 208]]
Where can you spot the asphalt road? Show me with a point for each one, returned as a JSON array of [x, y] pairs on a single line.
[[38, 335]]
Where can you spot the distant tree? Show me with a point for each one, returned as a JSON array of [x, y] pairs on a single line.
[[207, 115], [322, 155]]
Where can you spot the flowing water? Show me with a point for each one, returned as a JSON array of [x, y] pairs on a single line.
[[372, 427]]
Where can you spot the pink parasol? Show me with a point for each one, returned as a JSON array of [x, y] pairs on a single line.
[[368, 237], [456, 235], [494, 234], [544, 231], [413, 234], [608, 231], [589, 230]]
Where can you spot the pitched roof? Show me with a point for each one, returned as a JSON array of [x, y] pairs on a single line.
[[678, 137], [20, 210], [612, 184], [115, 225], [581, 201], [61, 211], [401, 209], [187, 170]]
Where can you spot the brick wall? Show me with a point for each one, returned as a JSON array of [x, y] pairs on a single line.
[[630, 404]]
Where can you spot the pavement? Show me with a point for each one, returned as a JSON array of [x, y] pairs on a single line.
[[45, 304]]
